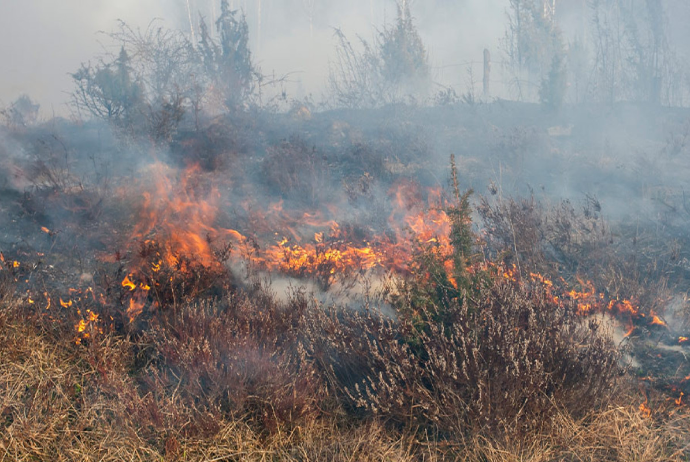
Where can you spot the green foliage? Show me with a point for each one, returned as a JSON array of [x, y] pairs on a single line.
[[108, 90], [160, 76], [553, 87], [228, 62], [404, 58], [440, 281], [461, 236], [395, 66]]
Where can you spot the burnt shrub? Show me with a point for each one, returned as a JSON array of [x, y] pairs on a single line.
[[572, 243], [296, 171], [472, 348], [560, 237], [240, 358], [498, 363]]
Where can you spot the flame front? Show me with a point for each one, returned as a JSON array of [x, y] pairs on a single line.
[[182, 221]]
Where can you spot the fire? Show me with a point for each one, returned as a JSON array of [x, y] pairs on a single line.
[[645, 410], [127, 282], [86, 326], [510, 273], [181, 220], [656, 320], [139, 294], [587, 292], [542, 279], [630, 331], [588, 302], [136, 306], [180, 217]]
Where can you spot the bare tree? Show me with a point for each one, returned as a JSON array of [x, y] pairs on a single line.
[[191, 23], [633, 59], [395, 66], [531, 40]]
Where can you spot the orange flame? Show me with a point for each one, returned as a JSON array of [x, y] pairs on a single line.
[[656, 320], [135, 308], [679, 400], [127, 282], [645, 410]]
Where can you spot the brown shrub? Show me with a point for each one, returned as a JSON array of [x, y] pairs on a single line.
[[545, 239], [297, 171], [238, 358], [503, 361]]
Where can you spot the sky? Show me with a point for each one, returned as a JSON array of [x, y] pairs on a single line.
[[43, 41]]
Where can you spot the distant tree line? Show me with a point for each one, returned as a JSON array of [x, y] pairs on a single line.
[[624, 55], [160, 77]]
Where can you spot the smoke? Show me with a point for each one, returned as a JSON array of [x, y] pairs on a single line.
[[41, 41]]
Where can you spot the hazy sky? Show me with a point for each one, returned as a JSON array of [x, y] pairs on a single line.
[[42, 41]]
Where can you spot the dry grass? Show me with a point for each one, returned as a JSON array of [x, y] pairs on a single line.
[[619, 433], [60, 401]]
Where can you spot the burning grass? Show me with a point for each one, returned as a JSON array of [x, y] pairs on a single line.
[[142, 322], [226, 381], [180, 351]]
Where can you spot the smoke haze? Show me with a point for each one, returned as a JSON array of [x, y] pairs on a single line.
[[42, 41]]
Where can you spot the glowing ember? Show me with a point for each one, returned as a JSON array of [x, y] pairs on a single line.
[[645, 410], [679, 400], [656, 320], [127, 282]]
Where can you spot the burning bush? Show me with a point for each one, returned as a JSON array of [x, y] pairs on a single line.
[[472, 348]]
